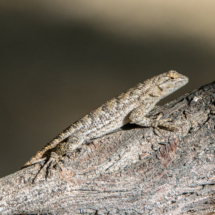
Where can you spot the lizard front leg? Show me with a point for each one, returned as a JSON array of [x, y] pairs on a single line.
[[137, 116]]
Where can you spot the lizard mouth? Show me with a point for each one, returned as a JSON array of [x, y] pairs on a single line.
[[182, 81]]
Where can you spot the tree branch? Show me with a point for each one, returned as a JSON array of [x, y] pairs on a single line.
[[133, 171]]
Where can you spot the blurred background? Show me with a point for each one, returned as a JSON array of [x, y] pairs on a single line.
[[61, 59]]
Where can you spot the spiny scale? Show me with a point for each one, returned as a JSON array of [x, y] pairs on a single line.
[[115, 113]]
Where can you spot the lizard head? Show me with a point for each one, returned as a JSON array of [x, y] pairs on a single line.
[[169, 82]]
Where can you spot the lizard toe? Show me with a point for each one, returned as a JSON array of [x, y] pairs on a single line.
[[46, 170]]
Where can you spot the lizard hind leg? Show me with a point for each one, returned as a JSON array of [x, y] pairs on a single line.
[[54, 159], [56, 156], [46, 170]]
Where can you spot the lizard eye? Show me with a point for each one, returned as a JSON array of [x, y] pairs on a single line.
[[172, 74]]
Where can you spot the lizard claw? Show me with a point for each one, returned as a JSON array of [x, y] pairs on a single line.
[[163, 123], [46, 170]]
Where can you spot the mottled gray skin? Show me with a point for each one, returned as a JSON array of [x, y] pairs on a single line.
[[128, 107]]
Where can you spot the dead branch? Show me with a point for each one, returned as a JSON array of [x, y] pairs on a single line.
[[133, 171]]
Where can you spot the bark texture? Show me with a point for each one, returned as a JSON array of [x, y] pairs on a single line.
[[133, 171]]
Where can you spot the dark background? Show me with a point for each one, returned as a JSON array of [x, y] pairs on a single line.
[[61, 59]]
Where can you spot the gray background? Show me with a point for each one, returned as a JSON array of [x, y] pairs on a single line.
[[61, 59]]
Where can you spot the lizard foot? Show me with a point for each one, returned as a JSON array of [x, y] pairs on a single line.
[[46, 170], [163, 123]]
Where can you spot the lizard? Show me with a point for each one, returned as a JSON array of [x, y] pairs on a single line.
[[131, 106]]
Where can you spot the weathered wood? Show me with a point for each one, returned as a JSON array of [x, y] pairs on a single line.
[[133, 171]]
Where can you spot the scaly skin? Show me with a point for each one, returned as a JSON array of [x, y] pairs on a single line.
[[128, 107]]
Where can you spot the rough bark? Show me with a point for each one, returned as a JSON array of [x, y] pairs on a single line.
[[133, 171]]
